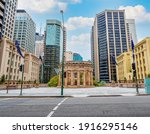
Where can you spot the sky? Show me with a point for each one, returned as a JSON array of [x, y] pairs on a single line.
[[79, 16]]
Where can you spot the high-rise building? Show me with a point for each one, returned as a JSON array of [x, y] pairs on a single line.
[[110, 40], [77, 57], [39, 45], [25, 30], [65, 38], [2, 8], [9, 18], [131, 31], [52, 48]]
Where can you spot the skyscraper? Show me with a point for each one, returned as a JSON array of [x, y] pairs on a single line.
[[109, 41], [39, 45], [9, 18], [25, 30], [2, 8], [52, 48], [131, 31]]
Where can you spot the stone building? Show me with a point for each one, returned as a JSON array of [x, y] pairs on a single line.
[[10, 60], [77, 74], [32, 67]]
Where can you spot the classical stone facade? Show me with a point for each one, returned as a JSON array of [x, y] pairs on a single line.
[[77, 74]]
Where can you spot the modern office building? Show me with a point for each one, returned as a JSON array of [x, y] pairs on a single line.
[[142, 58], [110, 40], [52, 48], [9, 18], [124, 67], [39, 45], [2, 8], [65, 38], [25, 30], [131, 31], [77, 57]]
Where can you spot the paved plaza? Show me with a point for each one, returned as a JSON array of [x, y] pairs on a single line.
[[75, 92]]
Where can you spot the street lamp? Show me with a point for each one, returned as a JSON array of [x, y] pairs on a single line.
[[62, 75]]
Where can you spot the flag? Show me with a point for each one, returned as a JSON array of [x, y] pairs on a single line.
[[114, 59], [41, 58], [18, 48], [132, 45]]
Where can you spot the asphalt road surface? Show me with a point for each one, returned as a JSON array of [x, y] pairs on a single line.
[[133, 106]]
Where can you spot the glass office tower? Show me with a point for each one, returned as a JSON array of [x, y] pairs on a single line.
[[52, 48], [25, 29], [111, 38]]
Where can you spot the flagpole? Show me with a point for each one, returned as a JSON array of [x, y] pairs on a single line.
[[134, 66], [22, 80]]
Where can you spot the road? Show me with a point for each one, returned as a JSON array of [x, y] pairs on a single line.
[[125, 106]]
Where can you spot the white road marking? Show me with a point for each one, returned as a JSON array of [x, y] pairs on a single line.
[[6, 99], [55, 108], [50, 114]]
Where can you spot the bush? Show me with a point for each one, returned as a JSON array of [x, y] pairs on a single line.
[[99, 84], [148, 76], [102, 83], [53, 81]]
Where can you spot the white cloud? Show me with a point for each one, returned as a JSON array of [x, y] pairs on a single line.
[[137, 12], [41, 6], [80, 44], [74, 23]]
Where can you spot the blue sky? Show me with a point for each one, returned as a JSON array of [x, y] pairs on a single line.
[[79, 16]]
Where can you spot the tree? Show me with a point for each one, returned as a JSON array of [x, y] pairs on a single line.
[[2, 80], [53, 81], [148, 76]]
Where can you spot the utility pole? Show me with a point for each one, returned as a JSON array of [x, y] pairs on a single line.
[[62, 75]]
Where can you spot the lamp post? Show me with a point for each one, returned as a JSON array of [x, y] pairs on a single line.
[[62, 75]]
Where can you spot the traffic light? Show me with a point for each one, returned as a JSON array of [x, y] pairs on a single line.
[[133, 66]]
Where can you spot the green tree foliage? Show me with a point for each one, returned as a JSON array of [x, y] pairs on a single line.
[[148, 76], [2, 80], [53, 81]]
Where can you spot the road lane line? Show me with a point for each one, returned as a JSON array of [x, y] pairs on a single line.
[[55, 108], [50, 114]]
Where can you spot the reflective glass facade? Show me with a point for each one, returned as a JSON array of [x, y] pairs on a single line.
[[52, 49], [112, 41]]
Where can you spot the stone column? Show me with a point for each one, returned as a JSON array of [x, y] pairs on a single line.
[[66, 79], [78, 83], [84, 79], [59, 83], [91, 78], [89, 75], [72, 77]]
